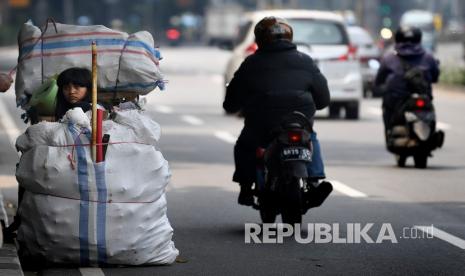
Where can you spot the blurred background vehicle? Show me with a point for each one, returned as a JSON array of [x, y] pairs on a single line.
[[184, 28], [173, 35], [323, 36], [368, 53], [454, 30], [425, 21], [221, 23]]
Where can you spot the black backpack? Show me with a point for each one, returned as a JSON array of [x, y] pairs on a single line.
[[415, 78]]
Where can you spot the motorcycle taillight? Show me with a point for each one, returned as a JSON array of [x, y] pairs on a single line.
[[420, 103], [260, 153], [294, 136], [251, 49]]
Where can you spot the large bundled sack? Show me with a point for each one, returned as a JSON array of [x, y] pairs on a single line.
[[126, 63], [75, 211]]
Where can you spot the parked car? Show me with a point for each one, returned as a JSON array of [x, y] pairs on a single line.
[[368, 54], [323, 36]]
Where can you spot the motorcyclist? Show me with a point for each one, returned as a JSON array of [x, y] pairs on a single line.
[[390, 80], [274, 81]]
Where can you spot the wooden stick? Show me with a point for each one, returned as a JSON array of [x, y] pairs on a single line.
[[94, 102]]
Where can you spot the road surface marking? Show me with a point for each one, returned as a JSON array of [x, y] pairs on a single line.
[[164, 109], [192, 120], [9, 124], [438, 233], [226, 136], [8, 181], [375, 111], [217, 78], [344, 189], [443, 126], [87, 271]]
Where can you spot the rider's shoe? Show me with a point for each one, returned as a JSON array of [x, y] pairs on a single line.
[[246, 196], [316, 197]]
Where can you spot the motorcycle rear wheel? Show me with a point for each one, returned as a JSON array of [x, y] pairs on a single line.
[[268, 210], [268, 215], [291, 209]]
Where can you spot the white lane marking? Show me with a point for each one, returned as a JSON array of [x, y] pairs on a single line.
[[375, 111], [344, 189], [164, 109], [226, 136], [443, 126], [90, 271], [217, 78], [7, 181], [9, 124], [438, 233], [192, 120]]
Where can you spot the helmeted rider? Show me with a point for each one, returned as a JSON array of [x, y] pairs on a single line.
[[390, 80], [274, 81]]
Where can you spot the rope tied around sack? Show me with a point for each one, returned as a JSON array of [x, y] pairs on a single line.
[[71, 156], [119, 68], [42, 43], [39, 39]]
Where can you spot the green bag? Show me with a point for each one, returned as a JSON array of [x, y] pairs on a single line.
[[44, 98]]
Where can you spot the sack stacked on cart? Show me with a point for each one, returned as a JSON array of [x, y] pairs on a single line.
[[78, 212], [126, 63]]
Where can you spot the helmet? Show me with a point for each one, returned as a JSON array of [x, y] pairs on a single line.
[[408, 34], [272, 28]]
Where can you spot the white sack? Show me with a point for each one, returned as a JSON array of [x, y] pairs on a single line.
[[118, 205]]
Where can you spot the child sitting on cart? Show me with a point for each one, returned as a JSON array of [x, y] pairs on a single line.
[[74, 86]]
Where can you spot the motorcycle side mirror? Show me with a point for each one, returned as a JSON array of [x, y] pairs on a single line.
[[374, 64]]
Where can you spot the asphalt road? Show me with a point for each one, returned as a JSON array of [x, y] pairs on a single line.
[[197, 140]]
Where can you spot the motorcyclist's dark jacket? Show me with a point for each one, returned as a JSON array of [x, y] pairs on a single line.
[[274, 81], [390, 78]]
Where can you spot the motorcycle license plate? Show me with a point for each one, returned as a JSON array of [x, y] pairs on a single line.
[[294, 154]]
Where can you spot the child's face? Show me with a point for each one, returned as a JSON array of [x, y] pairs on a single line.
[[74, 93]]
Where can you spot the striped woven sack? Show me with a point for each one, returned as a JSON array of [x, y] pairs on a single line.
[[126, 62]]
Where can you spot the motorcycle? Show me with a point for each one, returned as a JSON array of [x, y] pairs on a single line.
[[283, 185], [413, 131]]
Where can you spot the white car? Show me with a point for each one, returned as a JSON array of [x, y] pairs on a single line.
[[323, 36]]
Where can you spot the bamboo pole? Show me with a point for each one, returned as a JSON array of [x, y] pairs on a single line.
[[94, 102]]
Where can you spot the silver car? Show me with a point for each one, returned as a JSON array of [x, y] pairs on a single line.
[[368, 54], [323, 36]]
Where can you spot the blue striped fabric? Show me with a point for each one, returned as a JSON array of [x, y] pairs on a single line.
[[84, 196], [101, 212], [151, 85], [87, 42], [102, 42]]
